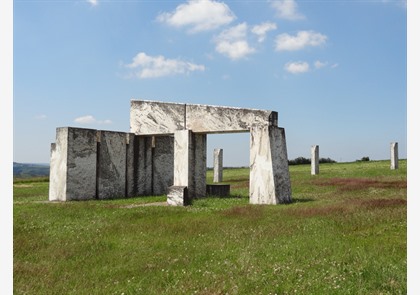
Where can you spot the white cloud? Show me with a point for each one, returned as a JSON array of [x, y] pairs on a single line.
[[89, 119], [198, 15], [262, 29], [287, 9], [319, 64], [298, 67], [158, 66], [232, 42], [301, 40], [93, 2], [334, 66]]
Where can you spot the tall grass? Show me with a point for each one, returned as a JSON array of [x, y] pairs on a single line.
[[345, 233]]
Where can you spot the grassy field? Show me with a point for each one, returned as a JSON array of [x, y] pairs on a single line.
[[344, 233]]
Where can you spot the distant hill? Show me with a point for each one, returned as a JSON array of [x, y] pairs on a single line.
[[23, 170]]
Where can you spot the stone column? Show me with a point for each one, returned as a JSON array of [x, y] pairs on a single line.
[[394, 155], [269, 181], [314, 160], [218, 165], [190, 162], [73, 165], [111, 165]]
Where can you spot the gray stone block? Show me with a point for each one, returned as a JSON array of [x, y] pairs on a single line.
[[221, 190], [163, 164], [218, 165], [314, 160], [73, 165], [178, 196], [394, 155], [269, 169], [111, 173]]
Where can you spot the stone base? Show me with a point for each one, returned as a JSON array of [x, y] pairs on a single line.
[[222, 190], [178, 196]]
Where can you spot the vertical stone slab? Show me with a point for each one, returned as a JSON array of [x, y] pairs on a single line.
[[218, 165], [394, 155], [143, 165], [163, 164], [314, 160], [182, 156], [130, 185], [73, 165], [269, 171], [111, 173], [190, 162], [199, 159]]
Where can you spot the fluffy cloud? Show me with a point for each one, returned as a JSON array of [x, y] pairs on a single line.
[[146, 66], [301, 40], [319, 64], [233, 43], [262, 29], [287, 9], [89, 119], [298, 67], [93, 2], [198, 15]]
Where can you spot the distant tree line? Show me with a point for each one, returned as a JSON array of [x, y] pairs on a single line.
[[302, 160]]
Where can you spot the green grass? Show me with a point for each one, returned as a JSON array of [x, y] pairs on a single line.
[[344, 233]]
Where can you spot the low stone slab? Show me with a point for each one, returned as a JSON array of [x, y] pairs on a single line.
[[178, 196], [222, 190]]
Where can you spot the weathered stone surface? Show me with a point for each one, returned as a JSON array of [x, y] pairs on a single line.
[[73, 165], [143, 165], [269, 175], [130, 182], [178, 196], [156, 118], [220, 119], [314, 160], [222, 190], [218, 165], [190, 162], [163, 164], [394, 155], [151, 117], [111, 173]]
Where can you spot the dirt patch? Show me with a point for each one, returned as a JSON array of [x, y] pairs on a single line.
[[244, 211], [23, 185], [378, 203], [348, 206], [351, 184]]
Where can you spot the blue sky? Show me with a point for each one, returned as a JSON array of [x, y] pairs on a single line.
[[335, 71]]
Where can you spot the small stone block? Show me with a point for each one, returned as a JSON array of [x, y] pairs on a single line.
[[178, 196], [222, 190]]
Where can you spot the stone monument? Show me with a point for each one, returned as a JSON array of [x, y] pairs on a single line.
[[165, 153]]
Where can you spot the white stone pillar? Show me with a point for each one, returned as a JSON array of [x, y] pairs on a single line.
[[190, 162], [269, 181], [394, 155], [314, 160], [218, 165]]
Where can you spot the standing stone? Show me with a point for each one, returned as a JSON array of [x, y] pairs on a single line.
[[314, 160], [218, 165], [190, 162], [162, 164], [269, 181], [111, 173], [73, 165], [394, 155]]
